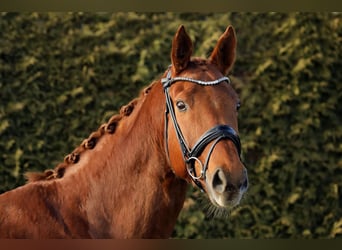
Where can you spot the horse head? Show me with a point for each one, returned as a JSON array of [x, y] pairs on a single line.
[[201, 121]]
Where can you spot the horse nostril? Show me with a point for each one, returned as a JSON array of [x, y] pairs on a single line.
[[222, 183], [219, 181]]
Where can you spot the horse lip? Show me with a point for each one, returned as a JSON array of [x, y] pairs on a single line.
[[226, 199]]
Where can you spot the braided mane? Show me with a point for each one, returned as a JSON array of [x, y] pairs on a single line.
[[89, 143]]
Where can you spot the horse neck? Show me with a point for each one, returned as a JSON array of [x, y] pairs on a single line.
[[127, 176]]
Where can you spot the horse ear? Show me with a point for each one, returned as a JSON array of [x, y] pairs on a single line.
[[223, 54], [181, 50]]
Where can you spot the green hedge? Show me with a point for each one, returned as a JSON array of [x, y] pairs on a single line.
[[63, 74]]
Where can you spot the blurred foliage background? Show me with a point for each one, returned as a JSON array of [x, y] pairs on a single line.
[[63, 74]]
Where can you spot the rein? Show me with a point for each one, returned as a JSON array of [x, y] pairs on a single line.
[[217, 133]]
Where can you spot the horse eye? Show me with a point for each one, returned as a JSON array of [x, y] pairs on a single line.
[[181, 105]]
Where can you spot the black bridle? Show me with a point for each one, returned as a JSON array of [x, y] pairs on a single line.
[[217, 133]]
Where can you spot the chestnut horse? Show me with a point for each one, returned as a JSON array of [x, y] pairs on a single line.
[[129, 178]]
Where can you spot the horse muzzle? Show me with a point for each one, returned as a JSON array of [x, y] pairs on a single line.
[[225, 189]]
